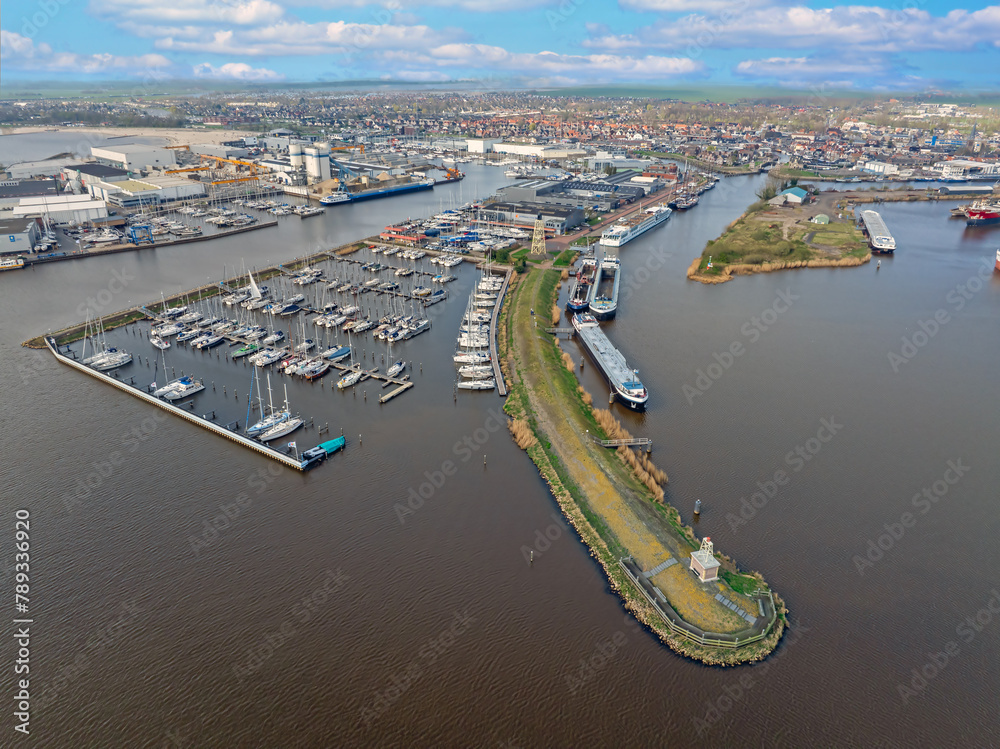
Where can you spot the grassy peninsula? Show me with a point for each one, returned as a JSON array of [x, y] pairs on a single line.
[[615, 513], [816, 234]]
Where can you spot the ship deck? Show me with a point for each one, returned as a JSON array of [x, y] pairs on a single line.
[[609, 359]]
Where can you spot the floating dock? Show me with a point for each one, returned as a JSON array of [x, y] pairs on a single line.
[[879, 237], [494, 357]]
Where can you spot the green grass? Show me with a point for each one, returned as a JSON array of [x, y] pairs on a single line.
[[753, 242], [566, 258], [521, 254], [743, 584], [594, 220]]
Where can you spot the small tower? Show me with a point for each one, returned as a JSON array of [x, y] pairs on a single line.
[[538, 238], [704, 563]]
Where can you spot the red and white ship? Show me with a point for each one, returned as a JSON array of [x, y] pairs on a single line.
[[980, 214]]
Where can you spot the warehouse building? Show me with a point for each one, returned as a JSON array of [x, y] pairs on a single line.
[[13, 190], [18, 235], [47, 168], [134, 157], [557, 219], [78, 176], [62, 208], [133, 193]]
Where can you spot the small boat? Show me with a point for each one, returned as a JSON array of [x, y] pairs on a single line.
[[185, 386], [267, 357], [336, 353], [322, 451], [475, 371], [250, 348], [160, 343], [471, 357], [350, 379], [209, 341], [307, 345], [477, 384], [276, 337], [396, 368], [317, 368]]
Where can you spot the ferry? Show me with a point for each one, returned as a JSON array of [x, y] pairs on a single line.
[[879, 238], [603, 301], [12, 263], [631, 227], [623, 381], [335, 197], [579, 293]]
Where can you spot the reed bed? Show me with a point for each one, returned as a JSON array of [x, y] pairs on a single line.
[[521, 431]]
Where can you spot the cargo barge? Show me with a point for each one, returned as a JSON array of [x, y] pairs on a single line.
[[879, 238], [604, 296], [344, 196], [624, 382]]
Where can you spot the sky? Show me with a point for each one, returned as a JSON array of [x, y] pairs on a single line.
[[904, 45]]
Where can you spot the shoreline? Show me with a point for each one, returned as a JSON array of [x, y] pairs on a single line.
[[566, 481]]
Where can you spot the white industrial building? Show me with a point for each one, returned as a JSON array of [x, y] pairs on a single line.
[[69, 208], [47, 168], [131, 193], [879, 167], [134, 157], [968, 168], [539, 151], [481, 145]]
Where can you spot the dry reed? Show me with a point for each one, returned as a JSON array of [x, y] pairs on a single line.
[[523, 436]]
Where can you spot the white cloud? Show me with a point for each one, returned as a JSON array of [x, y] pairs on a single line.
[[547, 65], [21, 53], [822, 73], [298, 38], [239, 12], [853, 27], [235, 71]]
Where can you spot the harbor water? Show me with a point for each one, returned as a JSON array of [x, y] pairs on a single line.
[[188, 592]]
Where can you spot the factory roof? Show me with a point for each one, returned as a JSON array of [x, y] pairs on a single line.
[[25, 187]]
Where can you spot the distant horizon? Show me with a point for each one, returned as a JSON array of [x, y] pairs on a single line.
[[713, 92]]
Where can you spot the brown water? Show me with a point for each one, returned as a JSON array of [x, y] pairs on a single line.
[[219, 649]]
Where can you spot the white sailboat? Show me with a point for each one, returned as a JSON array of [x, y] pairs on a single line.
[[287, 426]]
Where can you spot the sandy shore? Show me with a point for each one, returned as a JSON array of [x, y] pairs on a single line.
[[174, 137]]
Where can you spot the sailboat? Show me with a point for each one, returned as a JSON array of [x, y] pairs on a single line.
[[272, 418], [287, 426], [108, 357], [353, 376]]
